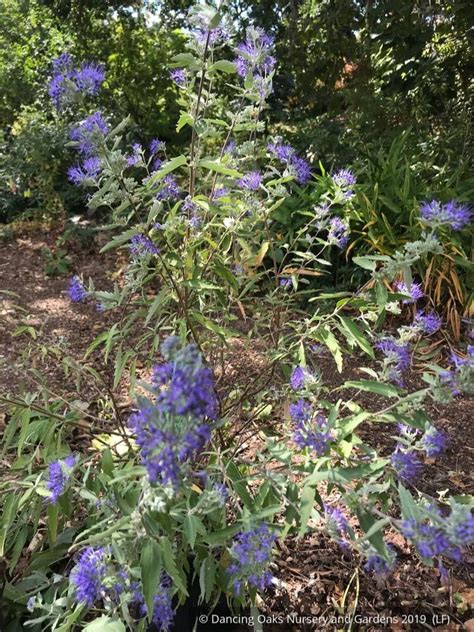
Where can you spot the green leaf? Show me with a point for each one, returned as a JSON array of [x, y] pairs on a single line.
[[105, 624], [306, 507], [345, 475], [192, 526], [150, 567], [238, 483], [53, 513], [211, 325], [207, 575], [410, 509], [184, 119], [219, 168], [169, 166], [184, 60], [372, 387], [218, 538], [223, 65], [170, 564], [332, 344], [353, 333]]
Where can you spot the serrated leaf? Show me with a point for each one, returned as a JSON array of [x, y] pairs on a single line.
[[355, 334], [150, 568]]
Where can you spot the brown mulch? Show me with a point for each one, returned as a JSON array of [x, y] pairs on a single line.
[[313, 571]]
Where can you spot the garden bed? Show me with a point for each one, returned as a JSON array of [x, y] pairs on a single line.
[[312, 573]]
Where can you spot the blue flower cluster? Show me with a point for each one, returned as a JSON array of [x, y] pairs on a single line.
[[397, 358], [406, 464], [336, 525], [378, 565], [433, 442], [250, 181], [59, 476], [338, 234], [297, 166], [169, 190], [452, 214], [255, 54], [299, 378], [405, 459], [141, 245], [312, 432], [172, 430], [90, 168], [88, 575], [76, 291], [88, 136], [428, 323], [179, 77], [459, 377], [252, 553], [345, 179], [94, 577], [413, 292], [435, 534], [67, 82], [135, 156], [163, 613]]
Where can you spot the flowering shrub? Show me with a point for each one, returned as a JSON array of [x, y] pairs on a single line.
[[166, 503]]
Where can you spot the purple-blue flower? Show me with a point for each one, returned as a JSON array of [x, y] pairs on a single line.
[[185, 386], [219, 193], [76, 290], [89, 78], [452, 213], [156, 146], [433, 442], [255, 54], [90, 168], [88, 575], [68, 82], [173, 429], [406, 464], [59, 475], [89, 134], [336, 525], [286, 283], [298, 378], [250, 181], [428, 323], [287, 154], [252, 553], [169, 189], [301, 169], [135, 156], [344, 178], [301, 411], [178, 75], [141, 245], [397, 358], [430, 540], [414, 291], [313, 433], [163, 613], [338, 233], [378, 565]]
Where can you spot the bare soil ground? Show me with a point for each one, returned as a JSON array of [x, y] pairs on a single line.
[[313, 572]]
